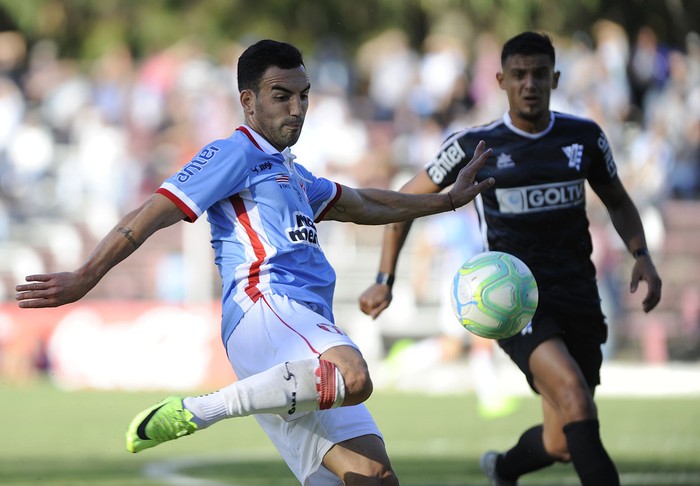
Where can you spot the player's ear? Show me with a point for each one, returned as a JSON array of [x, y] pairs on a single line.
[[247, 98], [555, 79], [499, 78]]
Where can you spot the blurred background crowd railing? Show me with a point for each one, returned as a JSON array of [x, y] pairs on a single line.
[[100, 101]]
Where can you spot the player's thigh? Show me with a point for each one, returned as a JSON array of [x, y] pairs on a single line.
[[358, 458], [558, 378], [277, 329], [304, 443]]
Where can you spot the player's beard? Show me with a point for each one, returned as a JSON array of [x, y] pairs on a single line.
[[534, 115], [281, 134]]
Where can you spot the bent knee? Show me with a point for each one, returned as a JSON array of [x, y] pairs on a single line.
[[358, 386]]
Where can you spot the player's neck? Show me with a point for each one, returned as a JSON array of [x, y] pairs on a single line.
[[531, 125]]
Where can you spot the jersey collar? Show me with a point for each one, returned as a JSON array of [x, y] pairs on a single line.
[[265, 146], [509, 123], [259, 141]]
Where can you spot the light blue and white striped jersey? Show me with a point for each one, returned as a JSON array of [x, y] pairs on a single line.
[[262, 208]]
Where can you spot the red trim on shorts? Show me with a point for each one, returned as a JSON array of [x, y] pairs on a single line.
[[290, 327], [258, 249]]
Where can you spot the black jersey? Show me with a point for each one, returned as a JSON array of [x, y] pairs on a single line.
[[536, 210]]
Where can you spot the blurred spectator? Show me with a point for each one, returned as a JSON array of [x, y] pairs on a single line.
[[83, 135], [389, 67], [647, 68]]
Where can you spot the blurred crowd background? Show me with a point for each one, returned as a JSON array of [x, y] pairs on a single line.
[[100, 103]]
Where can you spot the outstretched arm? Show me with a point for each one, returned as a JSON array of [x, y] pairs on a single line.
[[625, 218], [378, 206], [55, 289], [378, 296]]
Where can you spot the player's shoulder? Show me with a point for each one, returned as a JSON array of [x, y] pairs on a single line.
[[240, 147], [572, 121], [478, 132]]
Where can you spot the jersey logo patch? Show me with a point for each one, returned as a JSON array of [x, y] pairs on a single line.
[[261, 167], [304, 231], [445, 161], [504, 161], [545, 197], [282, 179], [575, 153], [196, 165]]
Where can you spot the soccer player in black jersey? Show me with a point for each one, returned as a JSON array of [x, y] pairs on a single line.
[[536, 211]]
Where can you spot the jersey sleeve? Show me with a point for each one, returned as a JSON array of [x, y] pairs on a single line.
[[322, 193], [603, 167], [215, 173], [455, 152]]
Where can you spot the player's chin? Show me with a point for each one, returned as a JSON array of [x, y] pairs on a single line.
[[532, 112], [291, 135]]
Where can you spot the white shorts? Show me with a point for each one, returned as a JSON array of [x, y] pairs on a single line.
[[276, 330]]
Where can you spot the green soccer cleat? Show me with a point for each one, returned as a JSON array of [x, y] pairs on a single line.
[[166, 420]]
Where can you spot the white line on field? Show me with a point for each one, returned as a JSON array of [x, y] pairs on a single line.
[[168, 470]]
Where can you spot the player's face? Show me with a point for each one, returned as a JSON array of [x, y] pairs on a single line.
[[528, 82], [278, 110]]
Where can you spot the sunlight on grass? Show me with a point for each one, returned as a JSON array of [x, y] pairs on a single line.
[[77, 438]]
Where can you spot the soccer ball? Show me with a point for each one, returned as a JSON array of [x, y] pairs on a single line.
[[494, 295]]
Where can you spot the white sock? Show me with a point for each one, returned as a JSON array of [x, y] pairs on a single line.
[[287, 389]]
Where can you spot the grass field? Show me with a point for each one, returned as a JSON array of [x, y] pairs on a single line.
[[56, 438]]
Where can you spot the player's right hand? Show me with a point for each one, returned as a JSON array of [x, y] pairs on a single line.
[[51, 290], [375, 299]]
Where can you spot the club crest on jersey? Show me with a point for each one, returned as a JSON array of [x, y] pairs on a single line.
[[575, 153], [504, 161], [304, 230]]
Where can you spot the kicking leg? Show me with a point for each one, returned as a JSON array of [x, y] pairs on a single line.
[[287, 389]]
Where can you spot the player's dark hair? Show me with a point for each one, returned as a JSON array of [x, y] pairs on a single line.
[[528, 44], [257, 58]]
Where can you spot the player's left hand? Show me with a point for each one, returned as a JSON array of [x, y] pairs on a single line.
[[644, 270], [464, 189]]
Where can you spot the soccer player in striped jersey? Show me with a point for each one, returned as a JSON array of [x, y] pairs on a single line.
[[537, 212], [301, 376]]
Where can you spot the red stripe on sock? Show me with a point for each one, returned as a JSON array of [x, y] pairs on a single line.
[[325, 384]]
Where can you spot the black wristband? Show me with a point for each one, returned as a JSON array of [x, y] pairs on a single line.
[[384, 278], [640, 252], [451, 203]]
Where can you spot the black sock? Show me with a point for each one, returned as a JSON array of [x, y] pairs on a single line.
[[592, 463], [526, 456]]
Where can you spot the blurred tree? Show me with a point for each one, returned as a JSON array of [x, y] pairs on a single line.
[[83, 28]]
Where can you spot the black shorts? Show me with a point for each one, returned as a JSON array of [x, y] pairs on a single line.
[[583, 335]]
